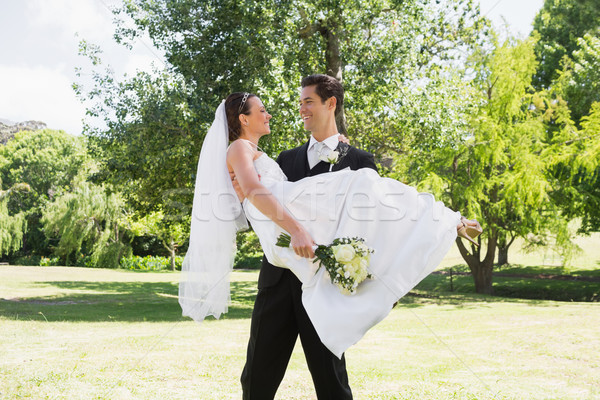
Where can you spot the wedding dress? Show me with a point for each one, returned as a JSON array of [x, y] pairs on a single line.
[[409, 231]]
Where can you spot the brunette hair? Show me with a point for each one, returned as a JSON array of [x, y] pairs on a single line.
[[326, 87], [236, 104]]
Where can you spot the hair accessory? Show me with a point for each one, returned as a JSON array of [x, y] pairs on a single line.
[[243, 102]]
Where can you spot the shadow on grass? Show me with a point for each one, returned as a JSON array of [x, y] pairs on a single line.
[[117, 301], [461, 288], [95, 301]]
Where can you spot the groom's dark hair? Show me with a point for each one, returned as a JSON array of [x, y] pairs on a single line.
[[326, 87]]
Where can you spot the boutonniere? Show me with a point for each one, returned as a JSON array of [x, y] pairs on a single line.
[[333, 156]]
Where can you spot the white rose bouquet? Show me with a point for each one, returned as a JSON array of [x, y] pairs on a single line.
[[346, 260]]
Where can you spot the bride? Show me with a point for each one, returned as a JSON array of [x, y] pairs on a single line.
[[409, 231]]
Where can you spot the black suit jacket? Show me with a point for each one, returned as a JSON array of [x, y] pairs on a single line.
[[294, 164]]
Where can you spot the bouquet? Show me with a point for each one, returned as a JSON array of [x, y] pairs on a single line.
[[346, 260]]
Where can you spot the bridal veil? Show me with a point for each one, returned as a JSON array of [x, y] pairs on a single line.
[[216, 217]]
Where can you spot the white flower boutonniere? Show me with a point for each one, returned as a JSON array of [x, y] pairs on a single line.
[[330, 156], [333, 156]]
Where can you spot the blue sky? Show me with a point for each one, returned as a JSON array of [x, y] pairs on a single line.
[[38, 52]]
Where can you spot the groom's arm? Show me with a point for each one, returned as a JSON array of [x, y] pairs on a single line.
[[364, 159]]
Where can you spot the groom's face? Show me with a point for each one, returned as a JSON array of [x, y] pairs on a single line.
[[313, 110]]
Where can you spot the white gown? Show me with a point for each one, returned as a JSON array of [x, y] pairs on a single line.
[[409, 231]]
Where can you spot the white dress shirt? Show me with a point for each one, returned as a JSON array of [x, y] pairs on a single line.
[[315, 148]]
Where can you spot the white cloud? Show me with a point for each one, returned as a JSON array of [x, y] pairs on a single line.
[[90, 19], [35, 81], [42, 94]]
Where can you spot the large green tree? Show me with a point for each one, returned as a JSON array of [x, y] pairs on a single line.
[[385, 52], [580, 79], [47, 161], [559, 24]]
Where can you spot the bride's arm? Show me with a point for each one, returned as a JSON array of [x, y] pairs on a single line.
[[240, 158]]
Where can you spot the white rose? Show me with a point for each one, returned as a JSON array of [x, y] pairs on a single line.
[[343, 253], [364, 263], [332, 158]]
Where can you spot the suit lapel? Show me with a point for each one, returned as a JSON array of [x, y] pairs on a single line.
[[344, 160], [301, 169]]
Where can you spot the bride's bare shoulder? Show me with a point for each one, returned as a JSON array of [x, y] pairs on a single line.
[[239, 150], [238, 147]]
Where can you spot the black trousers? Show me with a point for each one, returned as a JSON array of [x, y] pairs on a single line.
[[277, 320]]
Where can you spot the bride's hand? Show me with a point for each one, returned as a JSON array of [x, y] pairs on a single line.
[[303, 243], [342, 138]]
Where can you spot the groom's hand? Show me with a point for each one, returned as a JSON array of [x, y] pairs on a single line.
[[237, 187]]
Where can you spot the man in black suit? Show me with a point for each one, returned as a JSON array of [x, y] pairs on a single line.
[[279, 316]]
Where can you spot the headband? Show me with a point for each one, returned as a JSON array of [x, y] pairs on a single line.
[[243, 102]]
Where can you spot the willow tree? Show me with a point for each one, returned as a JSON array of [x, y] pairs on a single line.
[[89, 221], [12, 227]]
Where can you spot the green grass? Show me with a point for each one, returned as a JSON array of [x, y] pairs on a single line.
[[69, 333]]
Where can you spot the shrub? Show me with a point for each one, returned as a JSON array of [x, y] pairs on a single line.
[[49, 262], [27, 260], [150, 263], [249, 253]]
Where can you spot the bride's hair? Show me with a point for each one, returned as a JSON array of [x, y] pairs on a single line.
[[236, 104]]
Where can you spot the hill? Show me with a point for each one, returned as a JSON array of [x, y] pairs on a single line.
[[9, 128]]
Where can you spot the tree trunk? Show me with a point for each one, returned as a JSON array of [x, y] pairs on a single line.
[[503, 246], [482, 276], [482, 270], [171, 247], [502, 255], [172, 250], [334, 67]]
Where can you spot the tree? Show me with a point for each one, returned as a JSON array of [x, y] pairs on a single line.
[[47, 161], [171, 234], [378, 48], [559, 24], [12, 227], [498, 173], [576, 173], [89, 221], [580, 78]]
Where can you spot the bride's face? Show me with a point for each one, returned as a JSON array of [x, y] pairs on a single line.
[[258, 119]]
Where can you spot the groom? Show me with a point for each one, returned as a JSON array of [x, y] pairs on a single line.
[[279, 316]]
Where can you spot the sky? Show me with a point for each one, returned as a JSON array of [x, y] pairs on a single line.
[[39, 53]]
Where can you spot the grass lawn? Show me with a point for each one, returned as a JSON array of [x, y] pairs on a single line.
[[76, 333]]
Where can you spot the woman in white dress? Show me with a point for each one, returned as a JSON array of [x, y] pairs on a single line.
[[409, 231]]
